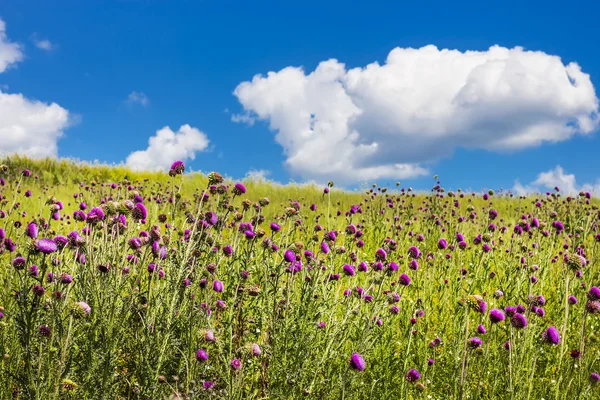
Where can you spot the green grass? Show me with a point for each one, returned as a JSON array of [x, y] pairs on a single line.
[[141, 337]]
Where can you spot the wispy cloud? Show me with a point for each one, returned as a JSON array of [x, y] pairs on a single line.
[[138, 98], [258, 174], [42, 44]]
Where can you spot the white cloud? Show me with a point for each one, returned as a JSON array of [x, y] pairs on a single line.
[[166, 147], [42, 44], [30, 127], [138, 97], [27, 126], [245, 118], [547, 181], [258, 174], [10, 53], [384, 121]]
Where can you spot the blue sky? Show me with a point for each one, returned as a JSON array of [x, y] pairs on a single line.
[[188, 58]]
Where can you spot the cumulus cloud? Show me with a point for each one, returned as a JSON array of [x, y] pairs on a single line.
[[557, 177], [10, 52], [168, 146], [27, 126], [387, 121], [139, 98]]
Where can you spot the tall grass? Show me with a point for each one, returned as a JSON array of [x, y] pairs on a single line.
[[296, 302]]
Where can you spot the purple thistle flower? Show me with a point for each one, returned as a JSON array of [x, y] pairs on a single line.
[[481, 329], [392, 266], [83, 307], [442, 244], [481, 307], [65, 278], [289, 256], [592, 307], [45, 246], [496, 316], [475, 342], [404, 280], [151, 267], [218, 286], [211, 218], [324, 247], [201, 355], [572, 300], [256, 351], [33, 271], [44, 330], [363, 267], [177, 168], [19, 262], [139, 212], [275, 227], [414, 265], [227, 250], [162, 253], [380, 255], [96, 214], [518, 321], [594, 378], [414, 252], [551, 335], [412, 375], [540, 312], [236, 364], [357, 362], [239, 189], [593, 293], [348, 270], [61, 241], [38, 290], [32, 230]]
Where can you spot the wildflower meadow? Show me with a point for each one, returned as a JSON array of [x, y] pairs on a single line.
[[119, 285]]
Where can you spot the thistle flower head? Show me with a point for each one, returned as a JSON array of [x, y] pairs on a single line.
[[496, 315], [593, 294], [45, 246], [475, 342], [236, 364], [357, 362], [551, 335], [239, 189], [32, 230], [412, 375], [201, 355], [215, 178], [518, 321], [177, 168], [81, 309]]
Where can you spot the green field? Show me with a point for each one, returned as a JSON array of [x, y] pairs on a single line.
[[180, 287]]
